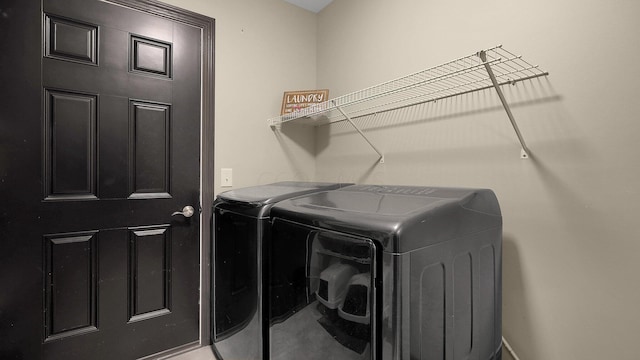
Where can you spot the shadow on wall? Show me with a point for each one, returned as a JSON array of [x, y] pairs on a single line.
[[522, 94], [301, 134], [471, 105], [441, 139], [303, 137], [515, 303], [578, 211]]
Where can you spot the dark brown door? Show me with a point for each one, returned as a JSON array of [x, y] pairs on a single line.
[[100, 144]]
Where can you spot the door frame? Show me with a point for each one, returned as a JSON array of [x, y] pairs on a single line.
[[207, 121]]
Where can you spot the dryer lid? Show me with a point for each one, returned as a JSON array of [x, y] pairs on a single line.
[[271, 193], [401, 218]]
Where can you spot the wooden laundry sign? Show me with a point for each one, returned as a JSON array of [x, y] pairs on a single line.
[[295, 100]]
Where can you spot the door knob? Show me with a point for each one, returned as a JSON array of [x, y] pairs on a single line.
[[187, 211]]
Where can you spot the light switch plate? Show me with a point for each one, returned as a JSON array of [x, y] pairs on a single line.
[[226, 177]]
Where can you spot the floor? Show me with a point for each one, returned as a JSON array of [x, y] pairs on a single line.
[[203, 353], [303, 336]]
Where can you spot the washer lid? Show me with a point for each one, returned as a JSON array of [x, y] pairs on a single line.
[[401, 218], [261, 195]]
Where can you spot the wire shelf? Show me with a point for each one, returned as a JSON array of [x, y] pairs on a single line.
[[456, 77]]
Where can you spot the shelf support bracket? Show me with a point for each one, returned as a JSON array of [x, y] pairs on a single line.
[[525, 150], [359, 131]]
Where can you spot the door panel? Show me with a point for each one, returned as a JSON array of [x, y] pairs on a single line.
[[104, 147], [71, 285], [70, 132], [149, 149], [150, 57], [71, 40], [149, 273]]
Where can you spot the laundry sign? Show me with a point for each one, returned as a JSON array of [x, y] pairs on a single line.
[[295, 100]]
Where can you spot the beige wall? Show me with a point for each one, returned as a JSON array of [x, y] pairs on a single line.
[[571, 245], [263, 48]]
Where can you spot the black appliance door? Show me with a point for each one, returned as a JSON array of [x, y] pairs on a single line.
[[235, 272], [321, 294]]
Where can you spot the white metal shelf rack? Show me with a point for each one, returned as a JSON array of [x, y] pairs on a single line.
[[486, 69]]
